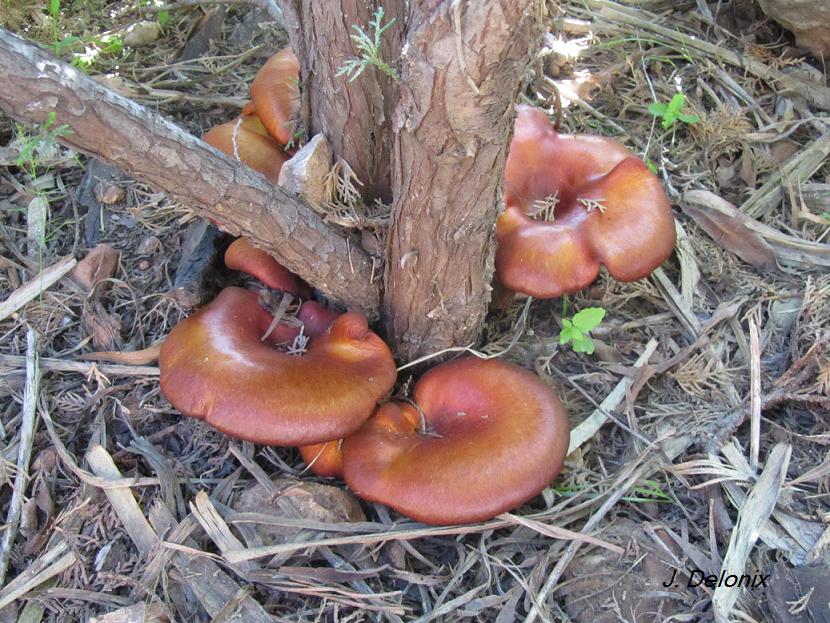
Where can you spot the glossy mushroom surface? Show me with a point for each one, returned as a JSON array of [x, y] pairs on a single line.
[[496, 435], [275, 94], [609, 210], [244, 256], [324, 459], [215, 367], [254, 146]]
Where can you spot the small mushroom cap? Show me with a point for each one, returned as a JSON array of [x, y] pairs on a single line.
[[610, 210], [324, 459], [253, 144], [215, 367], [275, 94], [497, 435], [244, 256]]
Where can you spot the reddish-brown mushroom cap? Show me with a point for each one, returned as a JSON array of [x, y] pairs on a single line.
[[214, 367], [253, 145], [244, 256], [496, 436], [610, 209], [324, 459], [275, 94]]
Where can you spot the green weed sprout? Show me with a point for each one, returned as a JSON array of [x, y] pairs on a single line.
[[576, 330], [672, 112], [369, 48], [33, 145]]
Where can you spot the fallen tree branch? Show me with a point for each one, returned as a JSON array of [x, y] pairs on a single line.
[[158, 152]]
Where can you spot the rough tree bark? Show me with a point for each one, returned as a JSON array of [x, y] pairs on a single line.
[[461, 73], [434, 142], [447, 123], [355, 116], [160, 153]]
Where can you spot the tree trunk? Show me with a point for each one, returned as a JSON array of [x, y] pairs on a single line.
[[448, 124], [461, 72], [355, 116]]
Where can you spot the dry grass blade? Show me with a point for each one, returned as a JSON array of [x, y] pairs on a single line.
[[754, 513], [55, 561], [755, 395], [649, 23], [37, 286], [60, 365], [24, 451], [556, 532], [214, 588]]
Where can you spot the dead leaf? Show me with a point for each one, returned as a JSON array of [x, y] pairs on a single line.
[[99, 264], [747, 172], [104, 327], [297, 500], [729, 228]]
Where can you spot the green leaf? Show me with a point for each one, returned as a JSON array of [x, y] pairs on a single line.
[[584, 344], [651, 166], [54, 7], [566, 335], [676, 104], [163, 18], [658, 109], [110, 44], [690, 119], [588, 318]]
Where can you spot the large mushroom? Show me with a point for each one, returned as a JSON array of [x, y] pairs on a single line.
[[214, 366], [573, 203], [486, 436]]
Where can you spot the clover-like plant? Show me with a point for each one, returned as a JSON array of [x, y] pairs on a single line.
[[576, 330]]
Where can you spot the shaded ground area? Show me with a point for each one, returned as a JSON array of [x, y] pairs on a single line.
[[701, 421]]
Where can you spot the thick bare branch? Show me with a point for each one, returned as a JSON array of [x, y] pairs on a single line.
[[463, 65], [160, 153]]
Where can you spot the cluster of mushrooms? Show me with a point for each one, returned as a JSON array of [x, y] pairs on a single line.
[[479, 437]]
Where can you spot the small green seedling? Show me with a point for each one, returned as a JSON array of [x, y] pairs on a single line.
[[369, 48], [33, 146], [672, 112], [577, 329]]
